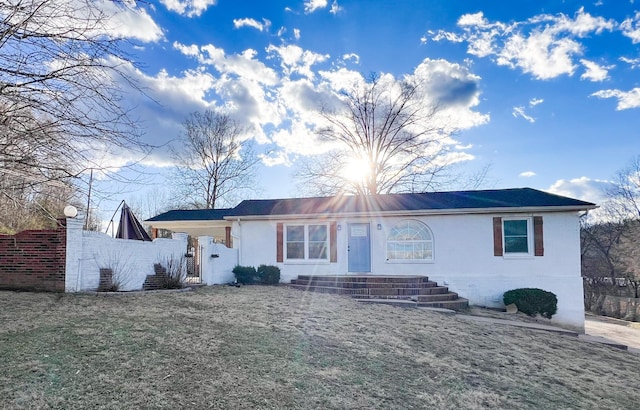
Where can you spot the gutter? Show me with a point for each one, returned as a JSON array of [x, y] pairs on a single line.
[[420, 212]]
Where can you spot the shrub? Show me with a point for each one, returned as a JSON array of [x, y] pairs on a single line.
[[246, 275], [268, 274], [115, 271], [175, 273], [532, 301]]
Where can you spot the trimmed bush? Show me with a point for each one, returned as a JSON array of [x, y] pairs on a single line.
[[246, 275], [532, 301], [269, 274]]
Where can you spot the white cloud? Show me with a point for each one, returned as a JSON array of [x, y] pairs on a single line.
[[527, 174], [476, 19], [482, 44], [335, 8], [583, 188], [167, 101], [454, 89], [444, 35], [280, 102], [595, 72], [243, 65], [540, 54], [130, 22], [535, 101], [351, 56], [296, 33], [626, 99], [631, 28], [97, 18], [519, 112], [249, 22], [312, 5], [544, 46], [633, 62], [582, 25], [189, 8], [296, 60]]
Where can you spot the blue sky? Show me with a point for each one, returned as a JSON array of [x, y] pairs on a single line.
[[546, 92]]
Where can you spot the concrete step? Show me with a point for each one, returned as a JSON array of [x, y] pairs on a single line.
[[458, 304], [374, 292], [364, 278], [391, 302], [405, 290], [437, 297], [356, 285]]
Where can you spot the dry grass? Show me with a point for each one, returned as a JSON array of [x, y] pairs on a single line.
[[274, 347]]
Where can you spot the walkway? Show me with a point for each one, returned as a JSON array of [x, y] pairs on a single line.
[[598, 329]]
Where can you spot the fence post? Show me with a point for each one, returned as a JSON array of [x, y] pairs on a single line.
[[72, 281]]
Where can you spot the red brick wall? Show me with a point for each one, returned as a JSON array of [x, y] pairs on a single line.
[[34, 260]]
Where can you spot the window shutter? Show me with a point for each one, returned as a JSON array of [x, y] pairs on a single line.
[[497, 236], [537, 236], [279, 242], [333, 242]]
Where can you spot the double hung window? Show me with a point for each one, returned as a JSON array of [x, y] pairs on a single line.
[[307, 242]]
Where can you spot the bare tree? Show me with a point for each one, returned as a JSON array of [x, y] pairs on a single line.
[[610, 249], [387, 138], [24, 206], [625, 195], [60, 90], [214, 165]]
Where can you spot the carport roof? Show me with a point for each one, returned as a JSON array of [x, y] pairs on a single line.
[[191, 215]]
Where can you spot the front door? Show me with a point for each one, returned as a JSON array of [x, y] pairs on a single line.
[[359, 247]]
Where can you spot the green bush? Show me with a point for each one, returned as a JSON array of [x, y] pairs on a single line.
[[246, 275], [532, 301], [269, 274]]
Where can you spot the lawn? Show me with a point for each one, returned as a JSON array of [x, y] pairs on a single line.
[[274, 347]]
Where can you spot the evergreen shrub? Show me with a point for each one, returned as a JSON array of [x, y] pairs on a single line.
[[532, 301]]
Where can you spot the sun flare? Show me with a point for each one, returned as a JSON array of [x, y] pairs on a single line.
[[356, 170]]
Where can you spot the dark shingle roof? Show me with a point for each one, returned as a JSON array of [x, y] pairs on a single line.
[[498, 198], [191, 215], [454, 200]]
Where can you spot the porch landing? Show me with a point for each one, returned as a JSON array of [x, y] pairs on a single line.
[[400, 290]]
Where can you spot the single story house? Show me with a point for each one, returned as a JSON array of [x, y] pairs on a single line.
[[478, 243]]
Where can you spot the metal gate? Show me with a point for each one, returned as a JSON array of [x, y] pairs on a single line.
[[193, 265]]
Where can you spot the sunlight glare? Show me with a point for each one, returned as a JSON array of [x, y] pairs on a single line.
[[356, 170]]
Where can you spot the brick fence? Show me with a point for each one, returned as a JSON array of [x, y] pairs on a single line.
[[34, 260]]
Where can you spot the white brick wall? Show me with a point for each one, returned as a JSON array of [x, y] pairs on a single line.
[[216, 269], [130, 260]]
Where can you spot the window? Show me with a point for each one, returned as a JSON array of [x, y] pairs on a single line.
[[516, 235], [410, 240], [295, 242], [306, 242]]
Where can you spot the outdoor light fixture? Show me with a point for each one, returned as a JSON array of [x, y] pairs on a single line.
[[70, 211], [379, 227], [339, 227]]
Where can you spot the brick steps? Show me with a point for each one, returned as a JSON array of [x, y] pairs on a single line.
[[458, 304], [157, 280], [405, 290]]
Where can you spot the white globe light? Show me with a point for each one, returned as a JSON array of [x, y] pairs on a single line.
[[70, 211]]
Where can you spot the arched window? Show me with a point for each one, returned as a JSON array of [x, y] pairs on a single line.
[[410, 240]]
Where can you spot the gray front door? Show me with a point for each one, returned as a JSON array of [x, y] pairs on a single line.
[[359, 247]]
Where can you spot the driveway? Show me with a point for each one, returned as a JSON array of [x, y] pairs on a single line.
[[620, 331]]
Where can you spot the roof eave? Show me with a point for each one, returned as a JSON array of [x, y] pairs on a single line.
[[496, 210], [188, 224]]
